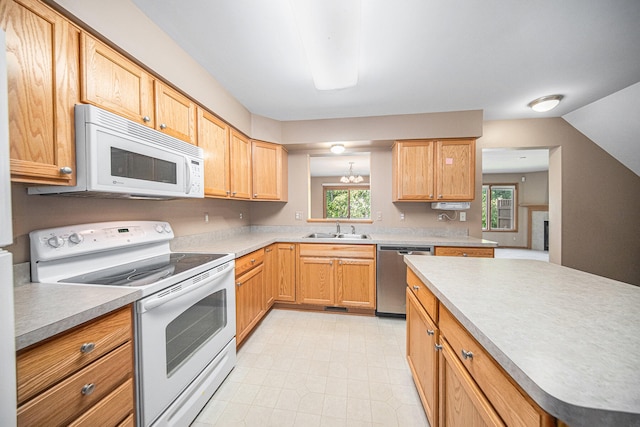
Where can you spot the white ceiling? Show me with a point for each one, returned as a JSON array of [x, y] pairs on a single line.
[[497, 160], [418, 56], [328, 165]]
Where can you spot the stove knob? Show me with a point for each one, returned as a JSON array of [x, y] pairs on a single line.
[[158, 228], [167, 228], [55, 241], [76, 238]]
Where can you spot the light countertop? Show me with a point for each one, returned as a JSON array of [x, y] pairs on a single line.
[[570, 339], [43, 310]]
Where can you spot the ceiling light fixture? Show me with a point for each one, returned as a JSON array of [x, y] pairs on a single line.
[[330, 32], [337, 148], [351, 178], [545, 103]]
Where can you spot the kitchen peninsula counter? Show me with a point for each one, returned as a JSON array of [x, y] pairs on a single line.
[[570, 339]]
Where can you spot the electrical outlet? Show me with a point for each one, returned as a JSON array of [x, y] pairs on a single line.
[[206, 217], [379, 216], [240, 215], [298, 215], [402, 216], [440, 217], [463, 216]]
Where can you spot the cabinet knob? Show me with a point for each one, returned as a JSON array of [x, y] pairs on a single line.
[[255, 195], [416, 288], [87, 347], [238, 284], [439, 196], [291, 247], [430, 332], [228, 192], [233, 194], [163, 126], [87, 389], [438, 347], [464, 254], [268, 250], [466, 354], [66, 170], [146, 119]]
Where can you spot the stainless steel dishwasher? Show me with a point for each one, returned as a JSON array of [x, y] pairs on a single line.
[[391, 278]]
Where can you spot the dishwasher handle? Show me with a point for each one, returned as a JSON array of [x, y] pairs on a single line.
[[423, 253]]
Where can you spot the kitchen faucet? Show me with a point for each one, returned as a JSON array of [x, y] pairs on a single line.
[[353, 229], [338, 227]]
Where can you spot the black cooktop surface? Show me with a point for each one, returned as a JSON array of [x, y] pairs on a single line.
[[145, 272]]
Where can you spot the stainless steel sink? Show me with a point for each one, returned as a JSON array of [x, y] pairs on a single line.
[[337, 236], [353, 236]]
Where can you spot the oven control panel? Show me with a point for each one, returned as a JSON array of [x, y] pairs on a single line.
[[75, 240]]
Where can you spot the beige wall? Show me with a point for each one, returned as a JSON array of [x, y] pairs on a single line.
[[534, 191], [32, 212], [593, 196]]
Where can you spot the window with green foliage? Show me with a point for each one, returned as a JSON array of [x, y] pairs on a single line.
[[499, 202], [353, 202]]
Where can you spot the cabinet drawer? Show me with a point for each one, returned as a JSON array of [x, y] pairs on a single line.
[[465, 252], [424, 295], [41, 366], [111, 410], [339, 251], [65, 401], [514, 408], [247, 262]]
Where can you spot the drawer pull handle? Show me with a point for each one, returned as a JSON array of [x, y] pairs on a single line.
[[430, 332], [253, 260], [466, 354], [438, 347], [87, 347], [87, 389], [416, 288]]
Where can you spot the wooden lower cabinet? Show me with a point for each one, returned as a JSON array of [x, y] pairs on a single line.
[[422, 355], [461, 401], [285, 277], [475, 252], [81, 377], [472, 388], [337, 275], [249, 293]]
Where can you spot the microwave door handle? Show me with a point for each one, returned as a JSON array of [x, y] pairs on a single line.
[[188, 174]]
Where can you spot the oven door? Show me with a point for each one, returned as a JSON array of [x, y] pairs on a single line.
[[180, 330]]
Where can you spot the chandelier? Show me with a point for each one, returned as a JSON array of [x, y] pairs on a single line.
[[351, 178]]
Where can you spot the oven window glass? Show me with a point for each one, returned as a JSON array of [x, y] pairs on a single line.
[[128, 164], [195, 326]]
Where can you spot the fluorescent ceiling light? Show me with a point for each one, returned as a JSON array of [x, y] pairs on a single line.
[[330, 32], [337, 148], [545, 103]]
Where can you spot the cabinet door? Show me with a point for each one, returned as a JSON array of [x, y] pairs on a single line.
[[316, 281], [113, 82], [413, 177], [43, 86], [461, 401], [267, 170], [455, 169], [249, 301], [270, 274], [422, 336], [175, 113], [356, 283], [285, 284], [240, 166], [213, 138]]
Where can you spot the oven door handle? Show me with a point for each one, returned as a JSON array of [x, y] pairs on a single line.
[[166, 295]]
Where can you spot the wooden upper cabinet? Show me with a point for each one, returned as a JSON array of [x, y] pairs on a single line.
[[113, 82], [175, 113], [455, 169], [269, 163], [240, 166], [213, 138], [413, 177], [43, 87], [434, 170]]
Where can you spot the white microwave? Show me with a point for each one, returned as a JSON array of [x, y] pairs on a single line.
[[118, 158]]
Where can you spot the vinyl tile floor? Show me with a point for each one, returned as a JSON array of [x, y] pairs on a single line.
[[319, 369]]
